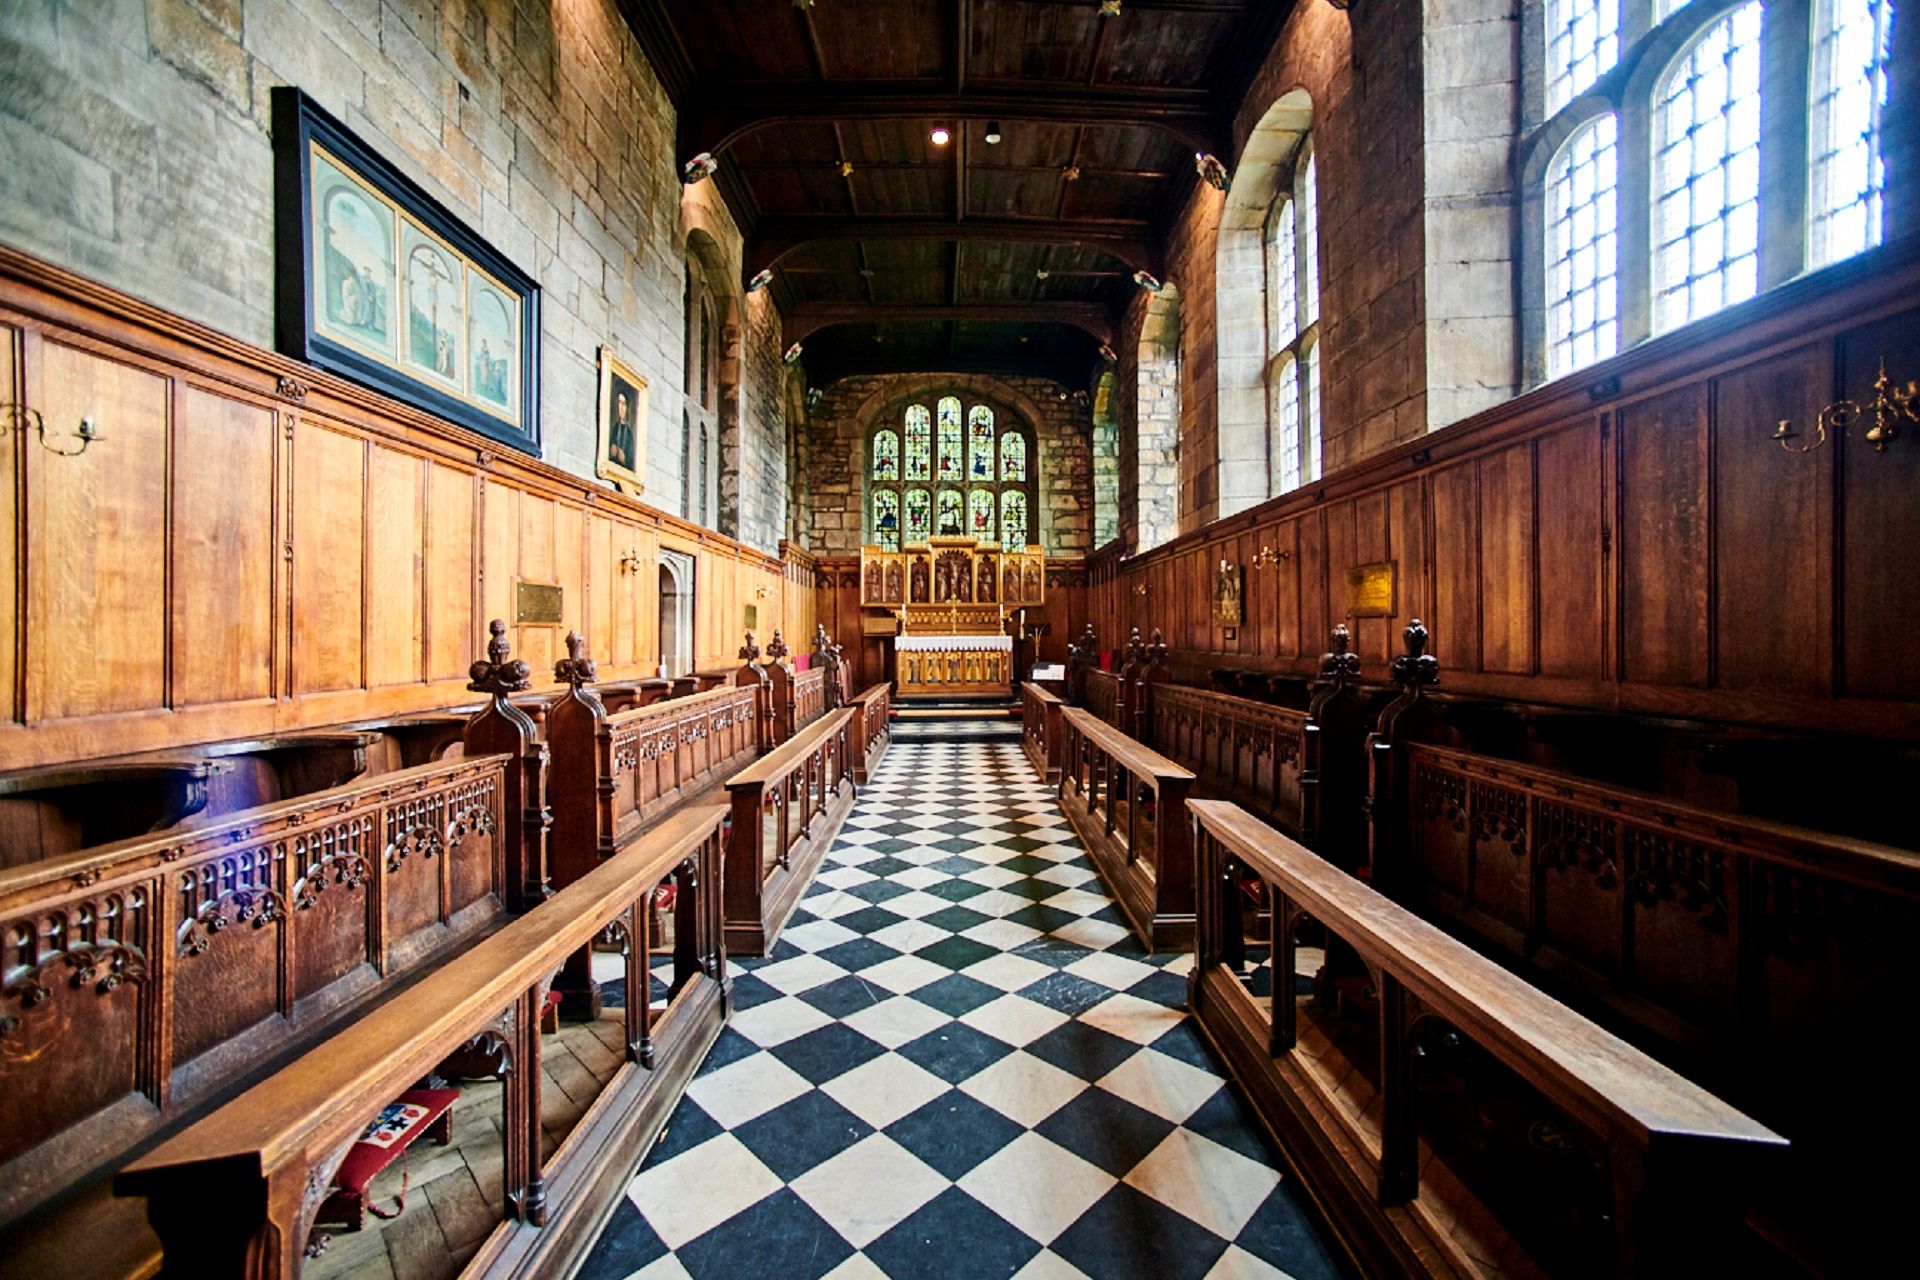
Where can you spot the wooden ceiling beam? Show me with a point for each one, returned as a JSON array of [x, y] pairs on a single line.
[[727, 113], [808, 318], [776, 237], [1069, 372]]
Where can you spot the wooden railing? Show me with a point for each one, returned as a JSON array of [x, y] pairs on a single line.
[[1129, 805], [1463, 1123], [872, 730], [1102, 694], [787, 807], [265, 1158], [658, 755], [1244, 750], [139, 978], [1040, 732]]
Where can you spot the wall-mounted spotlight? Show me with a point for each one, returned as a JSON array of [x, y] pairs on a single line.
[[1042, 274], [803, 4], [814, 396], [1148, 281], [1109, 8], [793, 353], [993, 133], [1071, 173], [846, 168], [760, 281], [699, 169], [1108, 355], [1210, 168], [941, 135]]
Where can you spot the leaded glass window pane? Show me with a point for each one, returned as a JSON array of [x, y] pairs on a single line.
[[1013, 456], [919, 525], [1707, 173], [1286, 417], [1583, 43], [1850, 53], [1283, 288], [980, 514], [886, 455], [1306, 198], [951, 466], [950, 524], [1013, 518], [980, 442], [886, 518], [1310, 416], [919, 443], [1582, 221]]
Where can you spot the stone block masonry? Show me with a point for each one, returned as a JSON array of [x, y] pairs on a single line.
[[134, 148]]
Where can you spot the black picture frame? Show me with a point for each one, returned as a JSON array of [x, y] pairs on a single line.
[[386, 342]]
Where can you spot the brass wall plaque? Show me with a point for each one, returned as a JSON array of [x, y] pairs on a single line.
[[752, 617], [537, 604], [1373, 590]]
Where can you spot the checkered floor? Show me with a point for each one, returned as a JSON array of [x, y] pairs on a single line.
[[959, 1063]]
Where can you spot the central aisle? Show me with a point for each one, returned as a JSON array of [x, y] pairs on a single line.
[[959, 1063]]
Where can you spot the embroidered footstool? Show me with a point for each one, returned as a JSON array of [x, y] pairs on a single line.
[[417, 1113]]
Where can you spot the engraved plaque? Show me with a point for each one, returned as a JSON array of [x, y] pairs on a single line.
[[537, 604], [1373, 590], [751, 619]]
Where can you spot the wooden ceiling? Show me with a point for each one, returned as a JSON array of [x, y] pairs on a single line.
[[891, 253]]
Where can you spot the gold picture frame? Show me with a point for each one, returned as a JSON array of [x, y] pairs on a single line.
[[1229, 590], [620, 454]]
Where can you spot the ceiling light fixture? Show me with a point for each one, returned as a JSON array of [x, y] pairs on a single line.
[[803, 4], [1043, 274], [760, 281], [993, 133], [699, 169], [793, 353], [846, 168], [1071, 173], [1210, 168], [941, 135], [1109, 8], [1108, 355], [1146, 280]]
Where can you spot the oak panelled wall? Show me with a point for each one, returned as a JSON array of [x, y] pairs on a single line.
[[1628, 539], [255, 546]]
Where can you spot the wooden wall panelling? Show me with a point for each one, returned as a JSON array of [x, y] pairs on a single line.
[[1408, 544], [11, 446], [95, 587], [1315, 621], [1456, 570], [606, 643], [1662, 541], [396, 567], [454, 628], [1772, 527], [1570, 558], [1879, 522], [225, 548], [1506, 529], [328, 540]]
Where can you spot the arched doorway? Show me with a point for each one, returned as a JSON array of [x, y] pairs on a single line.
[[676, 614]]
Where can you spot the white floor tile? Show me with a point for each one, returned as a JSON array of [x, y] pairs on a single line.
[[883, 1089], [698, 1190], [1217, 1188], [1237, 1264], [905, 974], [897, 1021], [1014, 1020], [869, 1188], [1007, 972], [1023, 1088], [1131, 1018], [739, 1091], [1164, 1085], [1037, 1185], [778, 1021]]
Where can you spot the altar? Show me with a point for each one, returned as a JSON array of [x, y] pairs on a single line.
[[948, 603]]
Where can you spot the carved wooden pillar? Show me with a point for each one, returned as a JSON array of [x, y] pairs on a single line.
[[1151, 670], [1407, 719], [582, 835], [753, 675], [1333, 788], [500, 728]]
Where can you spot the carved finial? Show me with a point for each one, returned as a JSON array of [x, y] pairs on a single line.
[[777, 647], [1157, 650], [496, 674], [1341, 664], [821, 640], [750, 651], [1416, 668], [1136, 647], [576, 668]]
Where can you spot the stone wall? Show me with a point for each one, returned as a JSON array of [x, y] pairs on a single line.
[[835, 449], [134, 149]]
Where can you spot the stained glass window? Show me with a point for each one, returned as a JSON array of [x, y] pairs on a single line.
[[949, 524], [950, 462], [1013, 456], [886, 455], [980, 443], [919, 443], [980, 514], [1706, 214], [886, 518], [1013, 518], [919, 515], [1850, 58], [1581, 225]]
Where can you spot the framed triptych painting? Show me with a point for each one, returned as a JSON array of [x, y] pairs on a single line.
[[377, 281]]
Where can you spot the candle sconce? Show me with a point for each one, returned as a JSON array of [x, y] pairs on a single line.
[[21, 418], [1889, 405], [1140, 589], [1268, 556], [630, 561]]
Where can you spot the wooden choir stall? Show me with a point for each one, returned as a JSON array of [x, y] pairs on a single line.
[[948, 605]]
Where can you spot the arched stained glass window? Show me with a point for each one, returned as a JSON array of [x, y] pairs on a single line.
[[980, 514], [1013, 456], [919, 443], [980, 443], [951, 466], [886, 518], [919, 525], [886, 455], [950, 524], [1013, 518]]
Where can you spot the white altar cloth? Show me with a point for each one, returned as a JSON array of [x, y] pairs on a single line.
[[952, 644]]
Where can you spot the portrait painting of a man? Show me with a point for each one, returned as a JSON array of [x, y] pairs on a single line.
[[623, 431]]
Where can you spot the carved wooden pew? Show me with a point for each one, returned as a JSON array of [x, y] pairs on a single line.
[[266, 1157], [1463, 1122], [872, 729], [1129, 806], [787, 807], [1040, 732]]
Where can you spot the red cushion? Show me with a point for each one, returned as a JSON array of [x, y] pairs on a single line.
[[802, 661], [1106, 659], [397, 1126]]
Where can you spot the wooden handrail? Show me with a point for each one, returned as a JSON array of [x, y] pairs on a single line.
[[1040, 712], [1600, 1079], [1103, 773], [788, 755], [1141, 761], [807, 785]]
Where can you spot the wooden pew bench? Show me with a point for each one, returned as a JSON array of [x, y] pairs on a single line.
[[267, 1157], [1129, 805], [1453, 1120], [787, 807]]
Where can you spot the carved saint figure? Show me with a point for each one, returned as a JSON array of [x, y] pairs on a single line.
[[893, 582], [919, 580], [989, 581], [874, 582]]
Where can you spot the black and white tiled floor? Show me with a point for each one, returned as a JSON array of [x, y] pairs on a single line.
[[959, 1063]]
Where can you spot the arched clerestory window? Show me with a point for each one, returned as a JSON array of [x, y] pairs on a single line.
[[945, 466], [1293, 329]]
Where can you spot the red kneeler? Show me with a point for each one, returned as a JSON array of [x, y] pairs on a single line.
[[416, 1112]]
